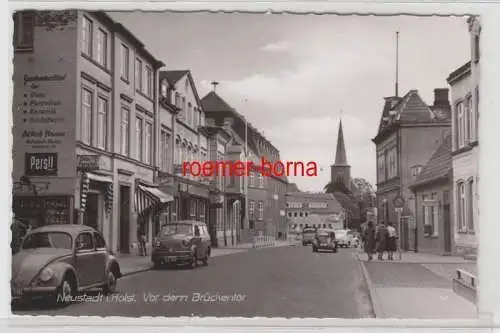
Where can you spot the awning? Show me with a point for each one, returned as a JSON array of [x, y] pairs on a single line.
[[147, 199], [159, 194], [99, 178]]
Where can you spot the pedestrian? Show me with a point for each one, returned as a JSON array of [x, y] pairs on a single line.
[[141, 238], [391, 240], [381, 239], [19, 231], [369, 240]]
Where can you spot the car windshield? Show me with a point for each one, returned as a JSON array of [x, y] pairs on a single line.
[[177, 229], [341, 233], [58, 240], [309, 231]]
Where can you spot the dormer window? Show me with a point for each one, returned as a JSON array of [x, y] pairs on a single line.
[[386, 119], [393, 112], [415, 170]]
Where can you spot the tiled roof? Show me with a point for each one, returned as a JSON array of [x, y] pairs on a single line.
[[411, 109], [173, 76], [438, 166]]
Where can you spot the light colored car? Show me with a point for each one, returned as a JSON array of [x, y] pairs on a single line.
[[57, 261], [308, 235], [182, 242], [345, 238]]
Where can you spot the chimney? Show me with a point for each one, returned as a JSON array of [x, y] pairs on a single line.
[[441, 97]]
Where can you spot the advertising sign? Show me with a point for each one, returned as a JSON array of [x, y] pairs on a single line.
[[88, 162], [44, 107], [40, 164]]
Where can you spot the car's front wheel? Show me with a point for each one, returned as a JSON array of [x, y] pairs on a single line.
[[65, 291]]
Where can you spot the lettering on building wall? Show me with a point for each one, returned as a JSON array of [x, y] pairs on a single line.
[[41, 113], [41, 164]]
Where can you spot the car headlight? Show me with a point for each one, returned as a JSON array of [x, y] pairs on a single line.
[[46, 275]]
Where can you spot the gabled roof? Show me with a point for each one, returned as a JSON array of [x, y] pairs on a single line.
[[439, 165], [173, 76]]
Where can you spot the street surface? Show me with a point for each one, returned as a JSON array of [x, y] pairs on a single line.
[[278, 282]]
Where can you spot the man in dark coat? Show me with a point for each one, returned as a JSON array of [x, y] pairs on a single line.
[[369, 239]]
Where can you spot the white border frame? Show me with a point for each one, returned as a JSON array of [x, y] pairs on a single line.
[[489, 249]]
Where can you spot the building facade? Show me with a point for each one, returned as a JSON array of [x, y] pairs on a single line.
[[302, 205], [265, 196], [409, 133], [432, 191], [464, 84], [84, 124]]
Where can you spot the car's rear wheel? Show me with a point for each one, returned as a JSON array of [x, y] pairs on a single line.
[[110, 286]]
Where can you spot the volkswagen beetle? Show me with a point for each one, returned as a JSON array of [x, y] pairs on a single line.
[[58, 261]]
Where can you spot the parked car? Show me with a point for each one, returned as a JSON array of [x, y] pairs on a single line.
[[57, 261], [324, 239], [182, 242], [345, 238], [308, 235]]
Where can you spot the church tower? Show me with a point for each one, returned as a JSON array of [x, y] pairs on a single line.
[[340, 170]]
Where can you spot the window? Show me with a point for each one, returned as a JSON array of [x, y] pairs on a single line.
[[192, 210], [476, 108], [177, 100], [261, 210], [149, 81], [477, 54], [289, 214], [189, 114], [87, 36], [102, 48], [301, 214], [138, 138], [261, 179], [252, 178], [86, 121], [415, 170], [392, 163], [251, 209], [202, 119], [461, 128], [469, 114], [23, 30], [164, 90], [149, 143], [461, 207], [99, 241], [125, 63], [202, 211], [138, 74], [470, 206], [184, 105], [125, 131], [196, 118], [84, 241], [102, 122], [164, 151], [381, 168]]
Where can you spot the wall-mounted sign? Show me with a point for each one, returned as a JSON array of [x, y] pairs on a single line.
[[398, 202], [40, 164], [87, 162]]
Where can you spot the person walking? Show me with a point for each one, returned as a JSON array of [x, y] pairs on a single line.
[[141, 238], [381, 239], [391, 240], [369, 240]]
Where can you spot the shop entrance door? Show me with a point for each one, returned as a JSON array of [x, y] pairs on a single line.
[[91, 215], [124, 221]]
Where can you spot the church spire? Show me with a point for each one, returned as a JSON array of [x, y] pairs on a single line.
[[340, 155]]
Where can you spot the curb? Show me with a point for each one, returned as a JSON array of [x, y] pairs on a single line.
[[377, 310]]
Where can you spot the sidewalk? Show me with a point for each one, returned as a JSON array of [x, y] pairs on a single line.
[[418, 286]]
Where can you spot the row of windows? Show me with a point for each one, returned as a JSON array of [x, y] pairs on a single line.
[[317, 226], [256, 210], [298, 214], [94, 44], [387, 165], [466, 121], [257, 180]]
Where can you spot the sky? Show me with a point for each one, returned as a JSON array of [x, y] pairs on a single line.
[[294, 76]]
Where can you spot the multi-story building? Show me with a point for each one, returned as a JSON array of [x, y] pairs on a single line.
[[464, 84], [85, 114], [300, 205], [410, 131], [265, 197], [187, 137]]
